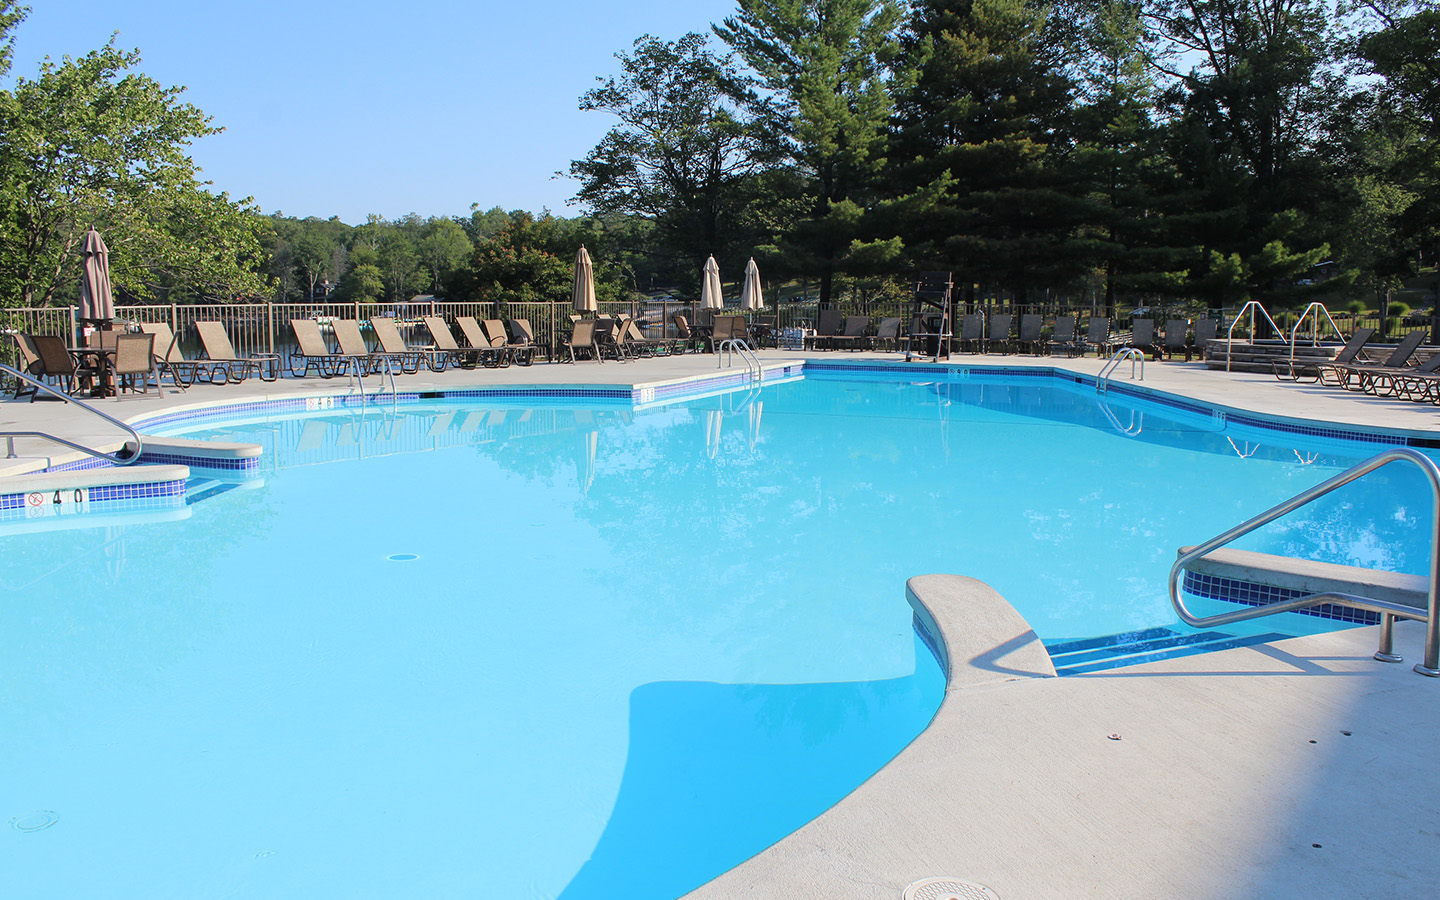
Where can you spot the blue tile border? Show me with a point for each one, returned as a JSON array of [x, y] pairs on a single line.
[[1249, 593], [103, 498]]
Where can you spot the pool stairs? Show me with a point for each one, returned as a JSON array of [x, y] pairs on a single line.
[[1113, 651]]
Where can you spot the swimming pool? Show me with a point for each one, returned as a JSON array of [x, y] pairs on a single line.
[[632, 647]]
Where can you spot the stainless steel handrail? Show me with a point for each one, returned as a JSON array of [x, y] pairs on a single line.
[[1388, 611], [1132, 353], [1249, 307], [740, 348], [98, 454]]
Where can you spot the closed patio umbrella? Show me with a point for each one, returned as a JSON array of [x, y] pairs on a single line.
[[97, 302], [750, 296], [582, 296], [710, 292]]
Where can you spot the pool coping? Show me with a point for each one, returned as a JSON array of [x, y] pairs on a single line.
[[926, 813]]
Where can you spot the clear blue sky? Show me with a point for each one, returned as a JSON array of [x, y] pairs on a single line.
[[361, 107]]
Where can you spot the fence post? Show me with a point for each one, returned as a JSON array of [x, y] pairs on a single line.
[[174, 319], [74, 335], [270, 326]]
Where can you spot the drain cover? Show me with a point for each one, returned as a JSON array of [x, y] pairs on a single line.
[[35, 821], [404, 557], [948, 889]]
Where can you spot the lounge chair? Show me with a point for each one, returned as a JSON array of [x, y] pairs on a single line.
[[352, 344], [852, 335], [648, 346], [1177, 334], [972, 332], [1295, 370], [829, 328], [317, 355], [500, 339], [1420, 382], [887, 334], [1097, 335], [27, 361], [582, 340], [1028, 338], [1355, 376], [999, 336], [488, 354], [1066, 336], [1142, 337], [169, 360], [1205, 332], [607, 342], [392, 343], [1359, 376], [220, 356], [445, 343]]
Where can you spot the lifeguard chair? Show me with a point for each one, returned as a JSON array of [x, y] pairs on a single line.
[[930, 320]]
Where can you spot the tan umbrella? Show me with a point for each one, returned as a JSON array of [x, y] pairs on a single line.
[[97, 302], [582, 295], [750, 296], [710, 292]]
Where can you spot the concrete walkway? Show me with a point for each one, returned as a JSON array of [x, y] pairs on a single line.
[[1301, 769]]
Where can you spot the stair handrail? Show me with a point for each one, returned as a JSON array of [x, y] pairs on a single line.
[[1316, 307], [1388, 610], [1102, 381], [1249, 307], [118, 460]]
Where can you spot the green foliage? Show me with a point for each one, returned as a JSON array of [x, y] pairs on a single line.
[[517, 265], [89, 142]]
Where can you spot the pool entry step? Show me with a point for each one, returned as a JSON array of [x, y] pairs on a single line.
[[1132, 648]]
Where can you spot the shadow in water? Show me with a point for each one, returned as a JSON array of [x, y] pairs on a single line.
[[716, 773]]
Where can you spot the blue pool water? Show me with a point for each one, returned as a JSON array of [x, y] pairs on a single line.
[[466, 650]]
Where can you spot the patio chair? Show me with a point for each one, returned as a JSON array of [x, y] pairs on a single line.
[[693, 338], [522, 342], [392, 344], [607, 340], [1286, 370], [999, 335], [972, 332], [764, 328], [489, 355], [582, 340], [220, 355], [1066, 335], [135, 363], [1097, 335], [54, 362], [1357, 376], [1142, 337], [1031, 326], [316, 354], [500, 340]]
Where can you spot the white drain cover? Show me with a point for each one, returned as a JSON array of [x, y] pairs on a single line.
[[948, 889]]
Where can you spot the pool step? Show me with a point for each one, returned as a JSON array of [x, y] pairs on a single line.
[[1115, 650]]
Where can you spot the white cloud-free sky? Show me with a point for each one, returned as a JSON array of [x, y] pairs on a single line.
[[346, 109]]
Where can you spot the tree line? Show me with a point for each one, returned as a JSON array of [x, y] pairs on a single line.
[[1122, 152], [1127, 150]]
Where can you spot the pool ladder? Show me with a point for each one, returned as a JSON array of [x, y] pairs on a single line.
[[1389, 611], [741, 349], [115, 458], [1102, 381]]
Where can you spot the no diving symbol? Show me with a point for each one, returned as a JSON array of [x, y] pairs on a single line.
[[35, 499]]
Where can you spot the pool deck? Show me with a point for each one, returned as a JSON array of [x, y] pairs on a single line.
[[1301, 768]]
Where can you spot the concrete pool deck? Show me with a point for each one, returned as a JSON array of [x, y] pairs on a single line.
[[1213, 788]]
